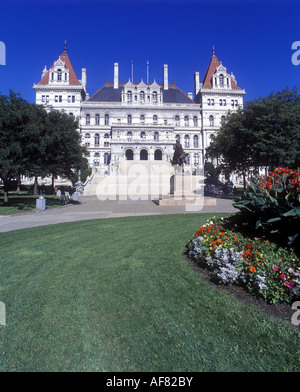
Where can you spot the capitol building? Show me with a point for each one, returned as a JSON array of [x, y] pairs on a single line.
[[141, 121]]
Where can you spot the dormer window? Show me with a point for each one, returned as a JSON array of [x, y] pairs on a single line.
[[59, 75], [221, 79], [129, 96], [154, 96], [142, 97]]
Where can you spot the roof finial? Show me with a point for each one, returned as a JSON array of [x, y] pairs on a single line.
[[213, 50], [65, 48]]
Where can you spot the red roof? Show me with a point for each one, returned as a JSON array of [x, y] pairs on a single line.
[[213, 65], [65, 58]]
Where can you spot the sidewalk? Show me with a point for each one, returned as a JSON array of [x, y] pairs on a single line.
[[92, 208]]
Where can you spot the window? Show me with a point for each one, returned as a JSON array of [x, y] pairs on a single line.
[[129, 136], [142, 119], [187, 140], [97, 159], [143, 135], [196, 141], [224, 102], [177, 119], [211, 121], [195, 121], [177, 138], [106, 140], [87, 139], [129, 119], [129, 96], [186, 121], [73, 98], [66, 76], [223, 120], [154, 119], [221, 102], [236, 103], [106, 119], [47, 98], [106, 158], [60, 98], [196, 159], [154, 97], [142, 97], [208, 102], [221, 79], [97, 139], [232, 102], [59, 74], [97, 119], [43, 98], [71, 114], [212, 102], [69, 98], [156, 136], [87, 119]]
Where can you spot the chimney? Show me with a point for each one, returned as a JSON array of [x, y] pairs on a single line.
[[196, 83], [166, 82], [116, 75], [83, 78]]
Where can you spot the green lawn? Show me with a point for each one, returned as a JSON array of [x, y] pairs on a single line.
[[24, 202], [118, 295]]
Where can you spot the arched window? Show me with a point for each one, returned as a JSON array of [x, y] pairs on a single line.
[[142, 119], [177, 137], [154, 96], [97, 139], [142, 97], [87, 119], [143, 135], [177, 120], [59, 75], [186, 121], [129, 154], [97, 159], [144, 155], [106, 158], [129, 96], [187, 140], [195, 120], [196, 141], [129, 119], [97, 119], [106, 140], [221, 79], [223, 120], [157, 155], [211, 121], [71, 114], [129, 136], [156, 136], [106, 119], [155, 119], [196, 159], [87, 139]]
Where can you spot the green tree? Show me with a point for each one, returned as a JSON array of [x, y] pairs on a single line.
[[14, 117], [265, 133]]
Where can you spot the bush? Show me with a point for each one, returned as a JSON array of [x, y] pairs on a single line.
[[262, 267], [271, 208]]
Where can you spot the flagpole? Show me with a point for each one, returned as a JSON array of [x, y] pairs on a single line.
[[132, 71], [147, 71]]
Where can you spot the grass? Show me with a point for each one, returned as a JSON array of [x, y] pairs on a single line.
[[24, 202], [118, 295]]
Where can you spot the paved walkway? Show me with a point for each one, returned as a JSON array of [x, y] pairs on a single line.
[[92, 208]]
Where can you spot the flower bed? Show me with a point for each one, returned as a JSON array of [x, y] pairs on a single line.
[[262, 267]]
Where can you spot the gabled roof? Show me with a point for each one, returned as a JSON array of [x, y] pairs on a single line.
[[108, 93], [65, 58], [213, 65]]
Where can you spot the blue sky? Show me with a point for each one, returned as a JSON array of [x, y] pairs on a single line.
[[252, 38]]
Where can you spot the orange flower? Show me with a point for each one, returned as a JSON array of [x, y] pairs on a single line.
[[252, 269]]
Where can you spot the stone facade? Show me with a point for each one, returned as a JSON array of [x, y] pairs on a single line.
[[141, 121]]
